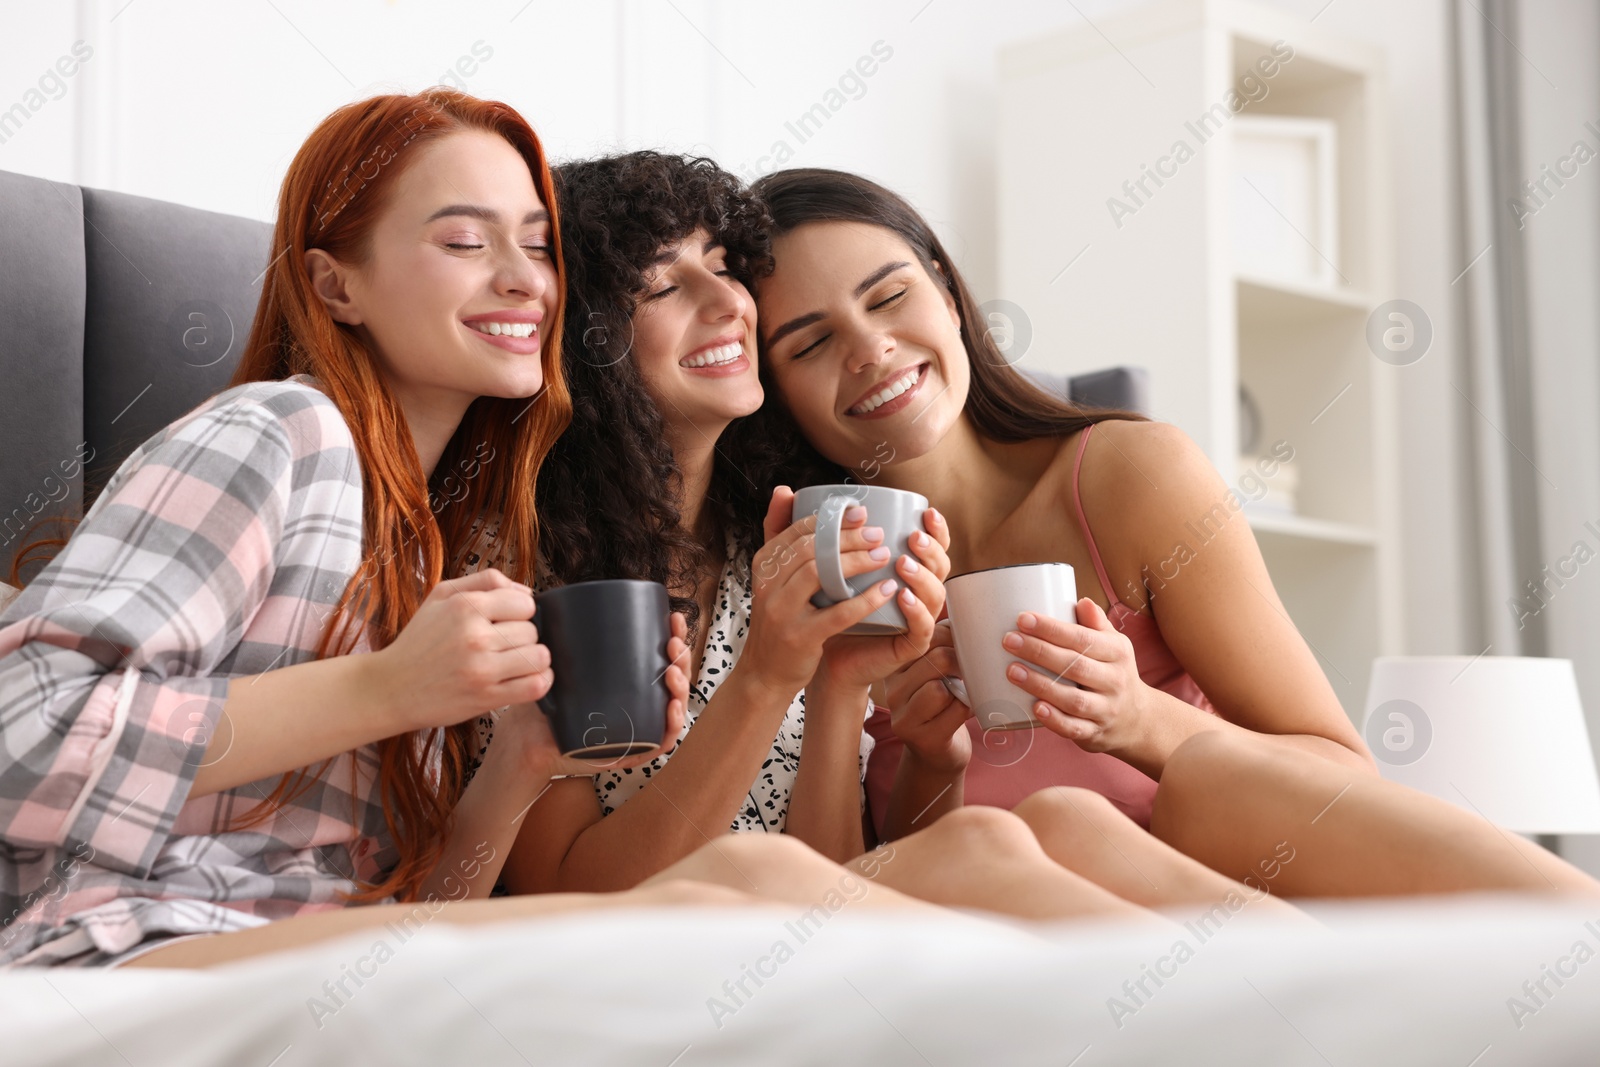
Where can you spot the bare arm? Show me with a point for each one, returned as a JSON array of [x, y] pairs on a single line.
[[294, 717], [1162, 513], [825, 808], [931, 723], [924, 716], [485, 822], [468, 648], [564, 844]]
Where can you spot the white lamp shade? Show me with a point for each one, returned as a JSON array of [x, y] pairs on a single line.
[[1502, 736]]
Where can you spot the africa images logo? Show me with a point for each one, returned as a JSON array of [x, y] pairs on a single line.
[[1399, 732]]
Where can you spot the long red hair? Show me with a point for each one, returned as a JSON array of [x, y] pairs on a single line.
[[331, 199]]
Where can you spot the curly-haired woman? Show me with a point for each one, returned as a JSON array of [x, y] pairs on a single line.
[[644, 483]]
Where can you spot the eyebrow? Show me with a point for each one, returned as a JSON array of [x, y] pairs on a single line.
[[487, 214], [666, 255], [792, 325], [803, 321], [878, 275]]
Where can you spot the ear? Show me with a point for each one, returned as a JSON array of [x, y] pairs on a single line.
[[330, 280], [948, 293]]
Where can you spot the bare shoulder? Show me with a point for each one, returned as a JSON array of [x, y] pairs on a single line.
[[1145, 459], [1139, 478]]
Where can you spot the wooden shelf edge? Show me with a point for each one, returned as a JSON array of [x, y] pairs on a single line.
[[1286, 292], [1308, 529]]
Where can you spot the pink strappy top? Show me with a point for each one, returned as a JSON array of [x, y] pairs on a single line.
[[1012, 765]]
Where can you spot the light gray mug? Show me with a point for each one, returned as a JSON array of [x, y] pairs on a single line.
[[899, 513]]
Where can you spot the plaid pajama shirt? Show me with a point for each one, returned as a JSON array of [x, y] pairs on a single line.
[[217, 550]]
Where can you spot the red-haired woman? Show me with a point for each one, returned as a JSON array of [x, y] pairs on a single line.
[[192, 749]]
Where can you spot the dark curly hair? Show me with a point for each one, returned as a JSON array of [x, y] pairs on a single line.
[[608, 491], [1003, 404]]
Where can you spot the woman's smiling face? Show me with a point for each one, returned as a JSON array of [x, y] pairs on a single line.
[[458, 274], [694, 337], [863, 343]]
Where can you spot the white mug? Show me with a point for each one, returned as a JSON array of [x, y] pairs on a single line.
[[984, 606]]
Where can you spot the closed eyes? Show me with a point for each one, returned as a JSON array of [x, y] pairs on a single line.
[[886, 302], [670, 289], [461, 246]]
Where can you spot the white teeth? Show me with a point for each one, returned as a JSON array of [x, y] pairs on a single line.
[[887, 393], [714, 357], [507, 329]]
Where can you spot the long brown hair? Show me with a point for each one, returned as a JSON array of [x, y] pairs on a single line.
[[1003, 403], [331, 198]]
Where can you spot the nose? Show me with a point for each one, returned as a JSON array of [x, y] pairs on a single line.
[[725, 299], [518, 277], [866, 348]]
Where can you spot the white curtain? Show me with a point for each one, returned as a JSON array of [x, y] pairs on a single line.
[[1527, 117]]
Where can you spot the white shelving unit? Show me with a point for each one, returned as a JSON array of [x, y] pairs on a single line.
[[1152, 284]]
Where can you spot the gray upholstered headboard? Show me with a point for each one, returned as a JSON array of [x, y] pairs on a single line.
[[117, 315], [1122, 388]]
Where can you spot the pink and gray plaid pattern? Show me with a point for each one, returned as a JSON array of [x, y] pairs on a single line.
[[216, 551]]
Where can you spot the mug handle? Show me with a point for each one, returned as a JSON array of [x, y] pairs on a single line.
[[830, 568]]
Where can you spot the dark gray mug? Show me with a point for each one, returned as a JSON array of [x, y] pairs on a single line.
[[608, 652]]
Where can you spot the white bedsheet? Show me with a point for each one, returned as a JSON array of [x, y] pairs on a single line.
[[1422, 982]]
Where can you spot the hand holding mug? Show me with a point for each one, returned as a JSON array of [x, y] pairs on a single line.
[[852, 659], [787, 630], [1086, 678], [897, 512], [923, 713], [984, 607], [528, 728], [470, 647]]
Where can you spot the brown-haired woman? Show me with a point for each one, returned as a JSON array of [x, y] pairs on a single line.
[[877, 366]]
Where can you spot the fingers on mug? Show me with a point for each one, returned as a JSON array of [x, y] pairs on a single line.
[[897, 511], [830, 558]]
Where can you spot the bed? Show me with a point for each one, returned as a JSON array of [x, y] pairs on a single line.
[[1463, 981]]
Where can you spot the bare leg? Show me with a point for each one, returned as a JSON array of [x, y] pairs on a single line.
[[982, 858], [768, 868], [777, 869], [989, 859], [1308, 827], [1084, 832]]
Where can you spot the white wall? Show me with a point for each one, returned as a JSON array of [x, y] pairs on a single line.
[[204, 103], [39, 138]]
